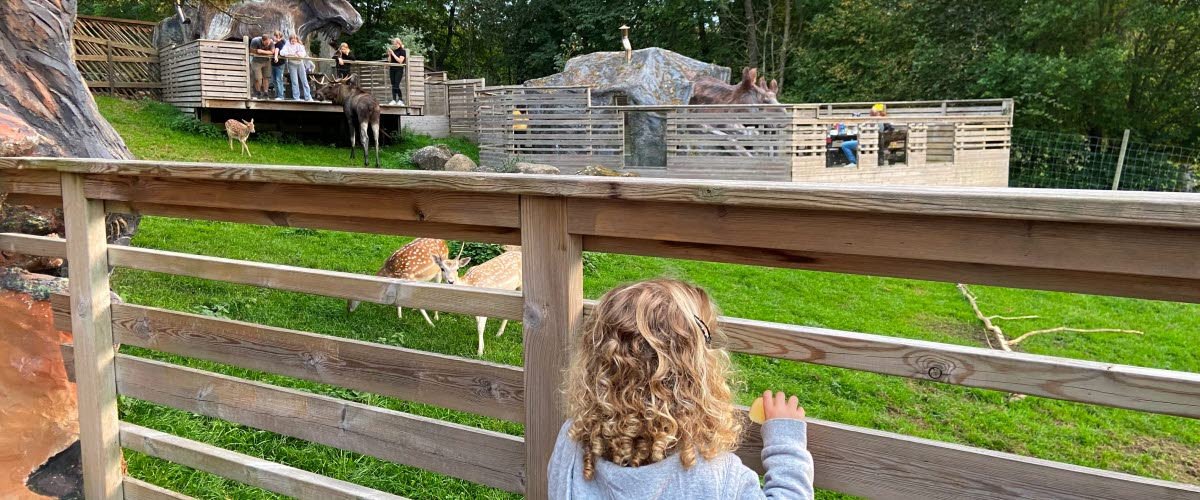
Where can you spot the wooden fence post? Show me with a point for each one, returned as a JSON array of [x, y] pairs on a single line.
[[91, 322], [553, 289], [1121, 161], [112, 83]]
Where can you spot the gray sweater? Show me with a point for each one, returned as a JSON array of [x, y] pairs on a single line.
[[785, 455]]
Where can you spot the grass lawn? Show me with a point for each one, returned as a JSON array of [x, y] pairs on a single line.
[[1139, 443]]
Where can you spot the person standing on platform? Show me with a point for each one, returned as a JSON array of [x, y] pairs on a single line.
[[277, 64], [261, 48], [297, 68], [342, 60], [397, 54]]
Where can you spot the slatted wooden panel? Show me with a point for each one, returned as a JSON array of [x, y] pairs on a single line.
[[374, 79], [556, 126], [224, 67], [435, 94], [917, 141], [939, 143], [462, 108], [981, 107], [181, 76], [135, 62], [735, 144], [414, 81]]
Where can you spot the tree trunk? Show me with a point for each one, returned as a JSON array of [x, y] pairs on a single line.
[[445, 52], [702, 31], [783, 51], [45, 108], [751, 35]]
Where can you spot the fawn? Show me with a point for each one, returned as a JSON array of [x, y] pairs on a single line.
[[416, 261], [240, 130], [503, 272]]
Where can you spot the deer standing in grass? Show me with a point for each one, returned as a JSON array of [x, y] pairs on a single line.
[[240, 130], [503, 272], [419, 260]]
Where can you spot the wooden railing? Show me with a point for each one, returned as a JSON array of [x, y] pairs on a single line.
[[1113, 243], [116, 56]]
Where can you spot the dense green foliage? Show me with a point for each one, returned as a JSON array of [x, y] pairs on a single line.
[[1086, 66]]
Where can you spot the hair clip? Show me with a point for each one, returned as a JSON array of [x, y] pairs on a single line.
[[703, 329]]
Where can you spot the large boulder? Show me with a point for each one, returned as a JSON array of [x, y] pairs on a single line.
[[654, 76], [537, 168], [432, 157], [460, 163]]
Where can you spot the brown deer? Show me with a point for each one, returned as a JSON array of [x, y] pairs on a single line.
[[502, 272], [240, 130], [361, 109], [419, 260]]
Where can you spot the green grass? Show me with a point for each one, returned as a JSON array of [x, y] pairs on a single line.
[[1139, 443]]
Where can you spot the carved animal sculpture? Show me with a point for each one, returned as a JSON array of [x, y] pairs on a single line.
[[416, 261], [709, 90], [250, 18], [361, 109], [240, 130], [503, 272]]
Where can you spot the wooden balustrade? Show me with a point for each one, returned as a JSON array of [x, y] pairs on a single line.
[[1122, 244]]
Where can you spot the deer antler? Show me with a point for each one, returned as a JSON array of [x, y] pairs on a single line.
[[460, 249]]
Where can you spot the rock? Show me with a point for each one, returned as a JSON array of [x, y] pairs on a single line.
[[653, 77], [602, 171], [460, 163], [432, 157], [537, 168]]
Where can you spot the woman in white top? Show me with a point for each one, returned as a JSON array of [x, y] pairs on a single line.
[[297, 69]]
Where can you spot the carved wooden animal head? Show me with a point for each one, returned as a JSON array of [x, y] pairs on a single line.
[[754, 90]]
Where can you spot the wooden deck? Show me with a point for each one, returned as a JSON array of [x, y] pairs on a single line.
[[288, 105]]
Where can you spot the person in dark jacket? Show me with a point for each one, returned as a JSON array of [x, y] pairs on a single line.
[[341, 60], [397, 55]]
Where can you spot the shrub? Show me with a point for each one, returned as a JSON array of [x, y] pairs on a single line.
[[190, 124]]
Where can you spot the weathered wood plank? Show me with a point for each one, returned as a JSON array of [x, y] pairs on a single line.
[[136, 489], [411, 205], [1135, 250], [1124, 285], [1121, 207], [484, 457], [41, 183], [553, 315], [1122, 386], [467, 385], [270, 476], [432, 296], [883, 465], [486, 234], [94, 352]]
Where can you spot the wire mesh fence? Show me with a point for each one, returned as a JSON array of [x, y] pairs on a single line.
[[1071, 161]]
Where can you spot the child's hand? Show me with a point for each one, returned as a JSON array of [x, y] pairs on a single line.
[[778, 405]]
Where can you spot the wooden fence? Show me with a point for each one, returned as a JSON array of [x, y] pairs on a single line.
[[205, 69], [1129, 244], [116, 56], [547, 125], [435, 94], [463, 108]]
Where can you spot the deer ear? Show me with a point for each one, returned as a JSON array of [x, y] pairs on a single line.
[[464, 261], [438, 259]]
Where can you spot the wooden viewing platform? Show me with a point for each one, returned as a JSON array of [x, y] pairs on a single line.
[[1023, 238]]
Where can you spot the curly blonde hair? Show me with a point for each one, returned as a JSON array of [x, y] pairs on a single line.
[[644, 383]]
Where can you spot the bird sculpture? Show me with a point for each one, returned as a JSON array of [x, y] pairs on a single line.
[[625, 43]]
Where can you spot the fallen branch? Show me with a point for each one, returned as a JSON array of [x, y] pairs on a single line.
[[1006, 344]]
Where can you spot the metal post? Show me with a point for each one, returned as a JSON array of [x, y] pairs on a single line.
[[1121, 160]]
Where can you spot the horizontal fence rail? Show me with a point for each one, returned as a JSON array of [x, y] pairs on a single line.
[[1126, 244]]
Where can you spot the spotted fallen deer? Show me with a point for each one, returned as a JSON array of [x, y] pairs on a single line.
[[361, 108], [240, 130], [419, 260], [502, 272]]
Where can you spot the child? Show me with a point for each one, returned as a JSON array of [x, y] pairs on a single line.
[[650, 412]]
